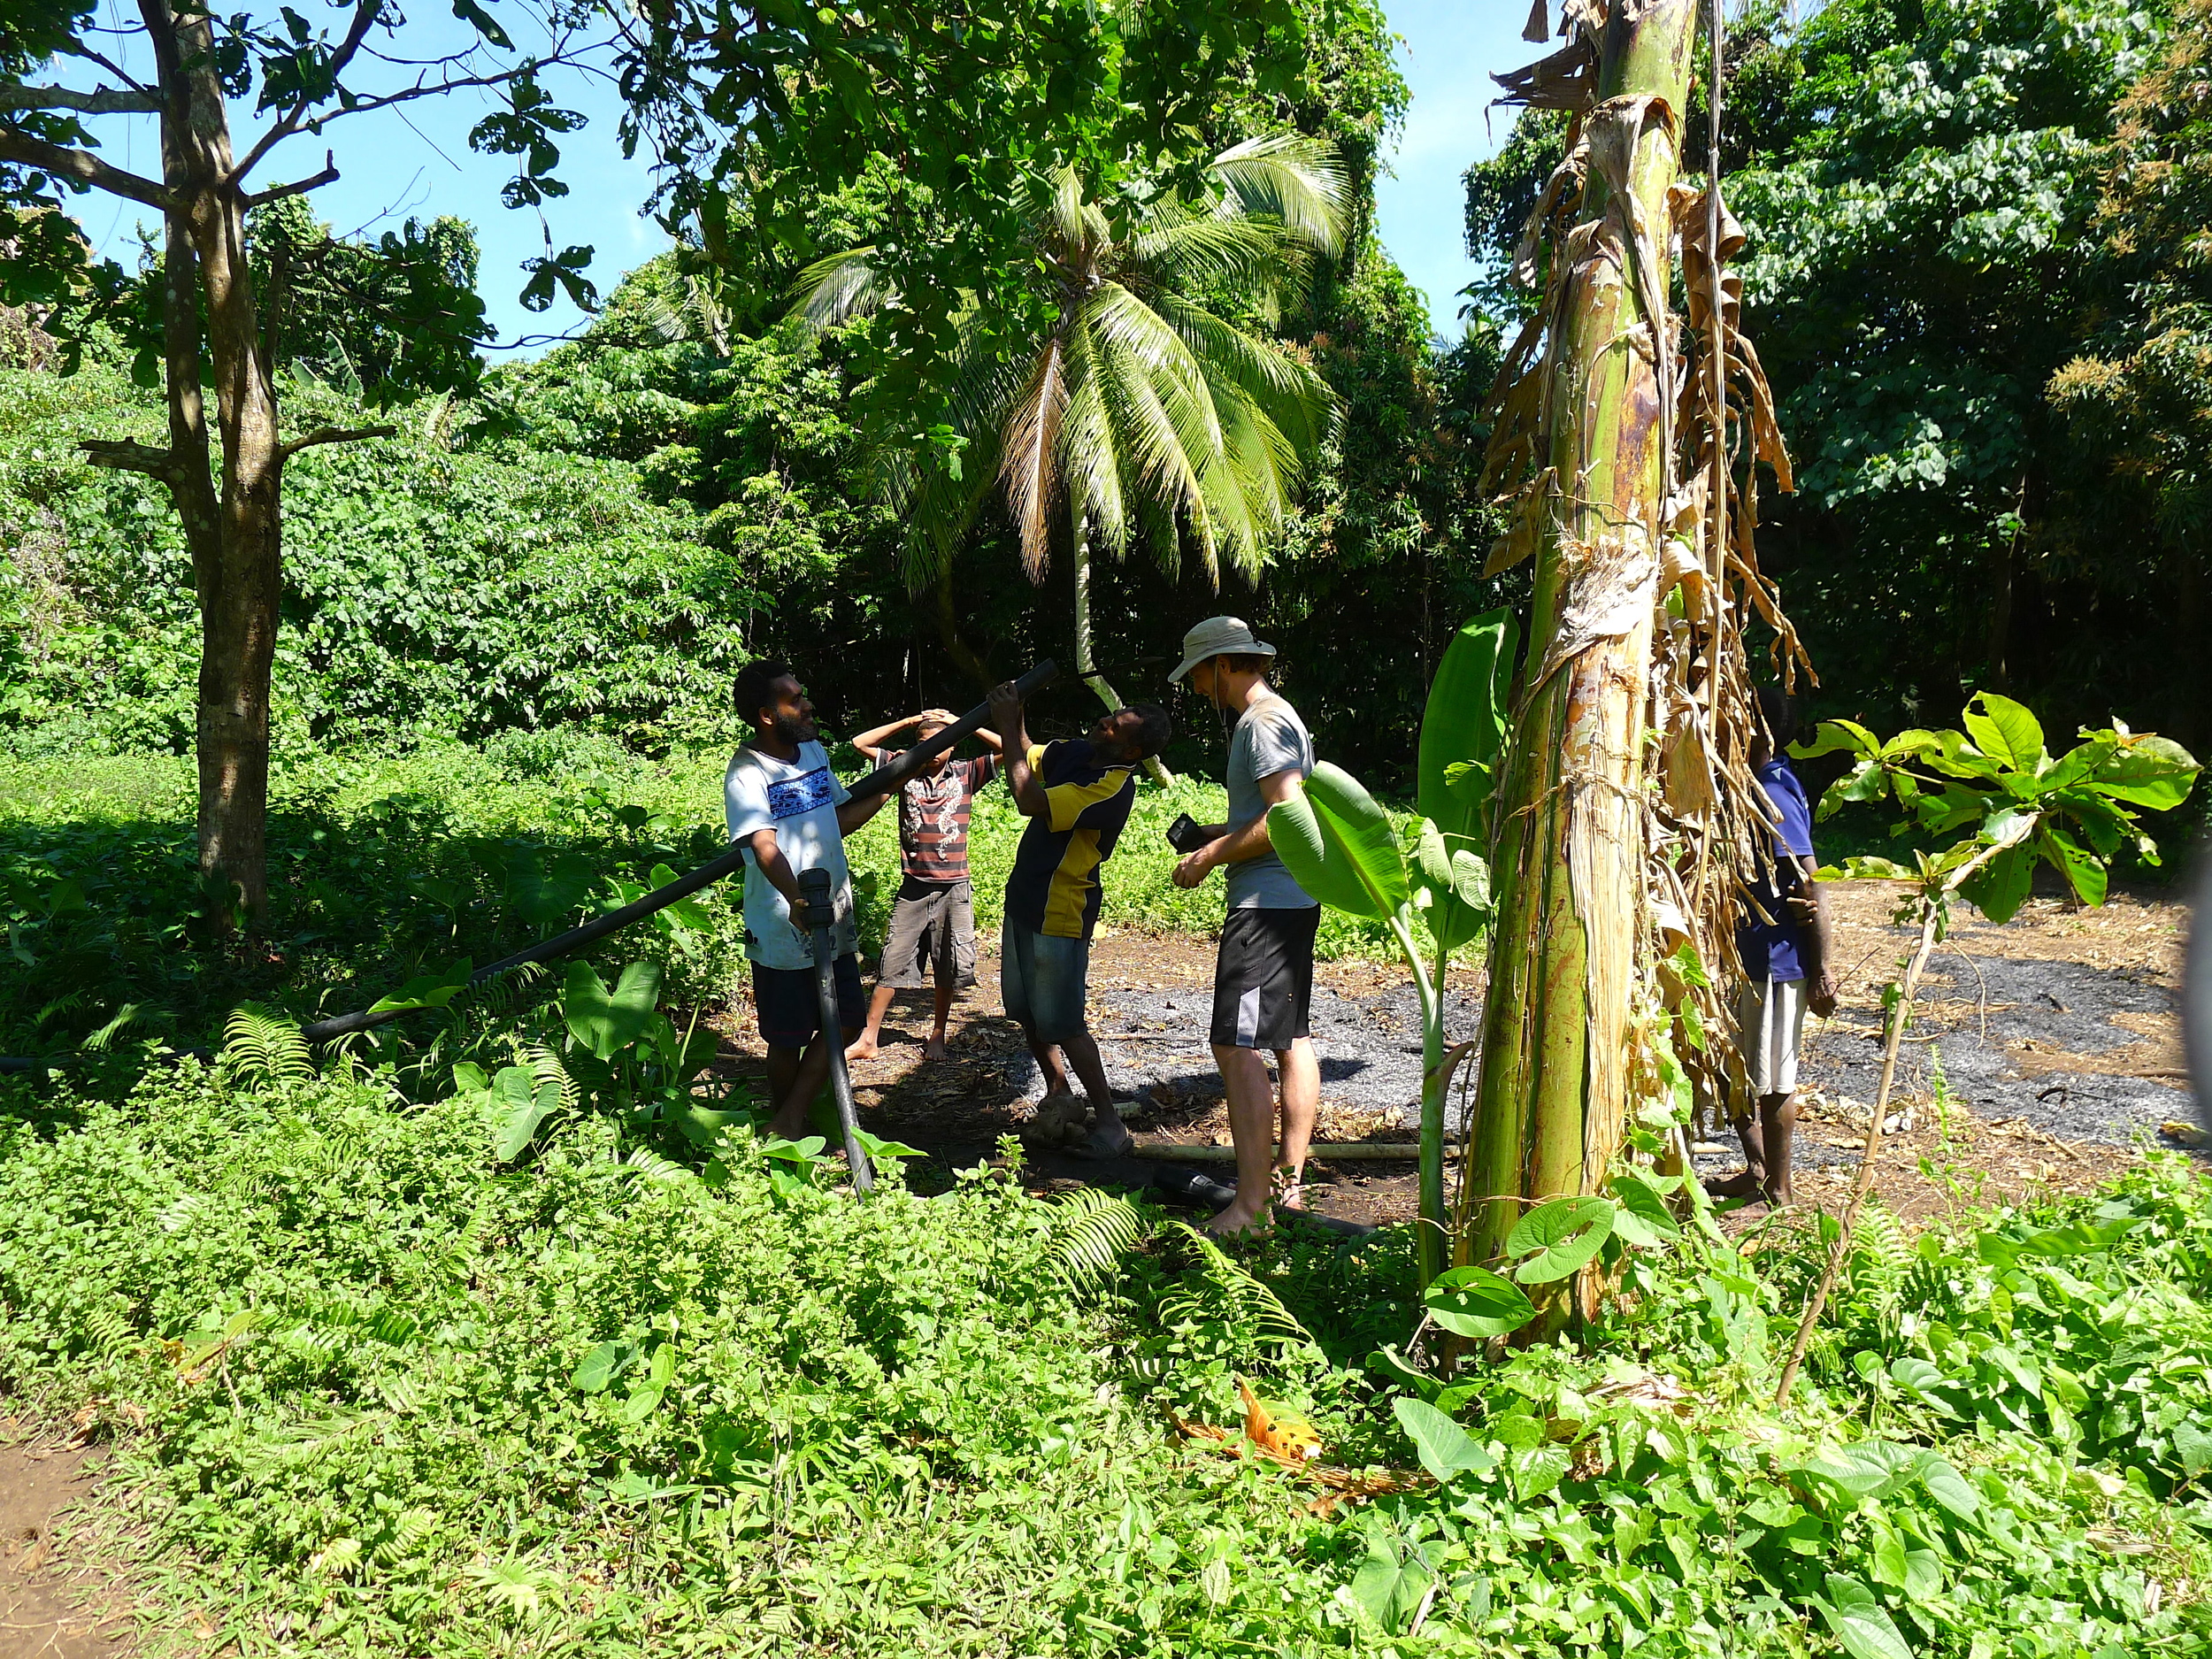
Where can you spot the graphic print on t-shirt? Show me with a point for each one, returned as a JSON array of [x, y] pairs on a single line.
[[791, 796]]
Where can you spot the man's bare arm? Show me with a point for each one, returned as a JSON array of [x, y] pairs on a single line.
[[852, 814], [768, 854], [1252, 842], [1022, 781]]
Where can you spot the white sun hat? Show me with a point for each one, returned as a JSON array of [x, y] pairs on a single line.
[[1219, 636]]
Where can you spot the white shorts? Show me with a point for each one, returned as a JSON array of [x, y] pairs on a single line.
[[1771, 1014]]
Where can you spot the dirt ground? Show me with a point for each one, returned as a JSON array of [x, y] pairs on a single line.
[[52, 1605], [2056, 1037]]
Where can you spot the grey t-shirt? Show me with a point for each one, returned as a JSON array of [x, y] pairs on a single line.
[[1270, 738]]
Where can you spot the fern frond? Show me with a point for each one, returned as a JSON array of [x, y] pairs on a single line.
[[1091, 1229], [646, 1165], [546, 1066], [262, 1046], [1222, 1290]]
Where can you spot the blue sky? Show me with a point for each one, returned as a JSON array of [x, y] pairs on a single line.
[[416, 161]]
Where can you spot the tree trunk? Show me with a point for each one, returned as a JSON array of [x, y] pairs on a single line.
[[234, 540], [962, 653], [1084, 665], [1569, 866]]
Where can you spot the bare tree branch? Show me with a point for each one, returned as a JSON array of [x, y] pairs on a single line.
[[333, 435], [99, 101], [364, 13], [408, 95], [329, 175], [126, 455], [82, 166]]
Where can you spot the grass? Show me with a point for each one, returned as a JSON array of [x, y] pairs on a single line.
[[383, 867]]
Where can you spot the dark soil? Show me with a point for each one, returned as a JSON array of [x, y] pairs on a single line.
[[2057, 1037]]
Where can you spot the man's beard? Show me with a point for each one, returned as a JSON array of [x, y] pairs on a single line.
[[796, 728]]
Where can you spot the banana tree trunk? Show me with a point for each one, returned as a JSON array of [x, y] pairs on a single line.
[[1084, 668], [1570, 844]]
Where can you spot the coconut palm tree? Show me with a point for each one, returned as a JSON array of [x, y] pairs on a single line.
[[1137, 408]]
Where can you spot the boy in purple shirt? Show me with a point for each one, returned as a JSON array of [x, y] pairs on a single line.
[[1786, 947]]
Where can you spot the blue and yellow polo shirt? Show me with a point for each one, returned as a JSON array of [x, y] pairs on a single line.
[[1055, 887]]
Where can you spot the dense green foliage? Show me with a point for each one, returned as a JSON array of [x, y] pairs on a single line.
[[375, 1395], [1919, 184]]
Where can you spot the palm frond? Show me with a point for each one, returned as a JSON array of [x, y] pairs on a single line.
[[834, 291], [1029, 461], [1292, 178], [1161, 453], [1291, 394], [1091, 461], [1197, 251]]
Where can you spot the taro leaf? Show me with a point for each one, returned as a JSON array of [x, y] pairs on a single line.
[[1564, 1234], [1444, 1448], [2080, 867], [1475, 1302], [1388, 1589], [601, 1367], [607, 1025], [428, 990], [519, 1127], [1857, 1615], [2004, 731], [2150, 771], [543, 897], [882, 1151], [1642, 1216], [702, 1126], [469, 1078], [2000, 888]]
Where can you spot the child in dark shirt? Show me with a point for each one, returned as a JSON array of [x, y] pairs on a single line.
[[932, 920]]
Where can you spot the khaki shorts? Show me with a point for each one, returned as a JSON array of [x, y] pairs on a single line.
[[932, 936], [1771, 1016]]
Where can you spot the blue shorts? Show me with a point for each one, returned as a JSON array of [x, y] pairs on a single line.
[[1043, 980]]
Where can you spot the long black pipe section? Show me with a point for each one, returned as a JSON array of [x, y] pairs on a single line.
[[882, 780]]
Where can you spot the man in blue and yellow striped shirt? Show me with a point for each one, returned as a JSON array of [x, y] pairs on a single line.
[[1077, 796]]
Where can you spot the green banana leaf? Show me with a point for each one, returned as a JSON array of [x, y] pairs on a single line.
[[1463, 730], [1338, 842]]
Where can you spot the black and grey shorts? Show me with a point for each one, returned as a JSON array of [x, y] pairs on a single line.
[[932, 936], [1264, 977]]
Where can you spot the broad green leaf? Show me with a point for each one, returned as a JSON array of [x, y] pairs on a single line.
[[2080, 867], [2004, 731], [1475, 1302], [1838, 737], [469, 1078], [1642, 1216], [1338, 845], [2194, 1447], [2149, 771], [601, 1367], [428, 990], [882, 1151], [690, 912], [1948, 1486], [2000, 888], [1464, 725], [519, 1127], [1860, 1622], [1431, 859], [1564, 1234], [1444, 1448], [604, 1023]]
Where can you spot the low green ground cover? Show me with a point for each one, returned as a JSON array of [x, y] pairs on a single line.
[[376, 1390]]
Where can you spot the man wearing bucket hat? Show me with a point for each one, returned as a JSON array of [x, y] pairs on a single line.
[[1263, 976]]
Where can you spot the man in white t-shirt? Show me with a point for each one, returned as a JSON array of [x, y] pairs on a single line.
[[785, 804], [1263, 975]]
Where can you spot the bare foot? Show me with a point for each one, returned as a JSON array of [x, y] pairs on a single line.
[[1781, 1196], [1236, 1222], [1290, 1192], [933, 1049], [864, 1048]]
